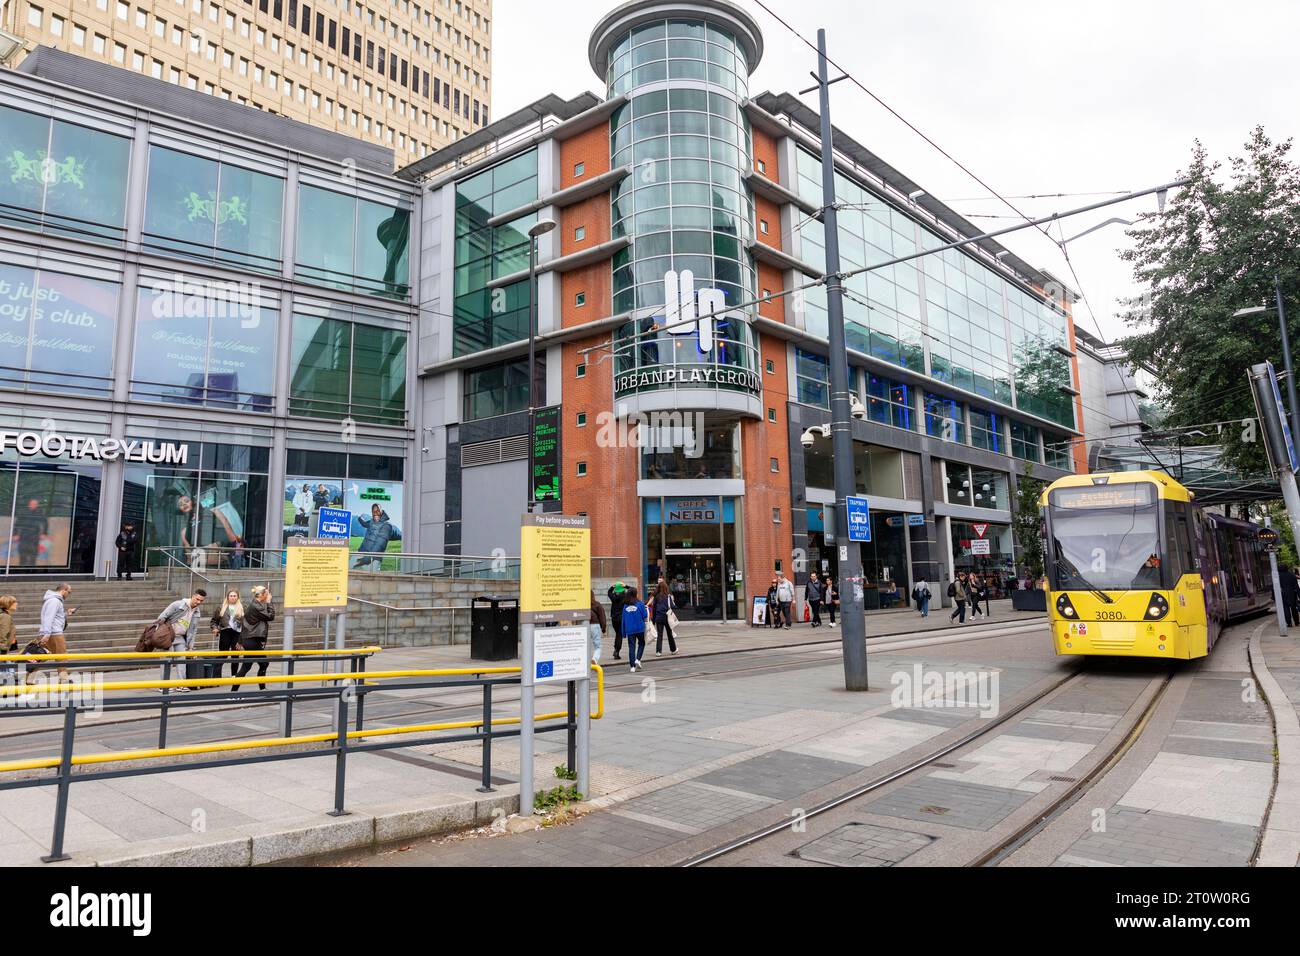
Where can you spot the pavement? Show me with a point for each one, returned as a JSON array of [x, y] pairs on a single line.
[[269, 812]]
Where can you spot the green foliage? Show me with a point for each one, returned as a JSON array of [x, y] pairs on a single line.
[[1027, 523], [1214, 250], [564, 773], [557, 798]]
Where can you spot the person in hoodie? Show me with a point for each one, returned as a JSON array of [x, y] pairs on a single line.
[[54, 619], [125, 544], [634, 621], [379, 531]]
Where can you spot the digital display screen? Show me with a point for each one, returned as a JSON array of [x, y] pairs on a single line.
[[1104, 496], [546, 454]]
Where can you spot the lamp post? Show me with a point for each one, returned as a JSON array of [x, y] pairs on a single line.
[[540, 228], [1286, 350]]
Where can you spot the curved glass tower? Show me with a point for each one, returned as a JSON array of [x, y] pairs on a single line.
[[685, 205]]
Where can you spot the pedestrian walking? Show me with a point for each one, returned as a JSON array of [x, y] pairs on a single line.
[[257, 619], [8, 638], [54, 621], [957, 591], [1290, 586], [616, 592], [596, 626], [985, 587], [227, 625], [661, 608], [973, 585], [832, 597], [921, 597], [784, 596], [634, 621], [183, 616], [773, 605], [813, 594], [125, 544]]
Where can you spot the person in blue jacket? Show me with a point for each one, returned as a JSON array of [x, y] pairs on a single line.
[[379, 531], [634, 619]]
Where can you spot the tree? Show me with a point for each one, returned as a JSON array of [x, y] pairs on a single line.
[[1027, 524], [1216, 249]]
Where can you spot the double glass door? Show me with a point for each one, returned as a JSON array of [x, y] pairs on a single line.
[[695, 578]]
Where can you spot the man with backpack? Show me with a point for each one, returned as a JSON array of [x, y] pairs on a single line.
[[957, 591]]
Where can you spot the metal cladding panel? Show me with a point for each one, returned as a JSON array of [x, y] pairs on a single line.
[[144, 92]]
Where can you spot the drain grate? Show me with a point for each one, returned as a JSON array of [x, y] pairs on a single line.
[[1063, 779], [947, 766], [931, 808]]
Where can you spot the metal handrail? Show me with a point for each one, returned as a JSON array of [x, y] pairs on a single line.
[[341, 687]]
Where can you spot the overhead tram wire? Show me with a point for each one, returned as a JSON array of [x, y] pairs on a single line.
[[846, 74]]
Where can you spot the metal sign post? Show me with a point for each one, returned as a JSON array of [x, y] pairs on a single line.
[[554, 587], [1270, 538]]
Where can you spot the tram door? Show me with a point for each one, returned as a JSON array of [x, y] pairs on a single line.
[[695, 578]]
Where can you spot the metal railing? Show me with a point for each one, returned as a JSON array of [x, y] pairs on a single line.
[[342, 689]]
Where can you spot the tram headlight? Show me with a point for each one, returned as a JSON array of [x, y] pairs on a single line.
[[1065, 609], [1157, 607]]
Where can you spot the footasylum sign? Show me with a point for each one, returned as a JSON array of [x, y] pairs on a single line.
[[55, 445]]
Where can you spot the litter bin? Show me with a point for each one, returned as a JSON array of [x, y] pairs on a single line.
[[494, 628]]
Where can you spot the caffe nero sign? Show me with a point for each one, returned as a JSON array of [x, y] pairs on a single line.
[[687, 312]]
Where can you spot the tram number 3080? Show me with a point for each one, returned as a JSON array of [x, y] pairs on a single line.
[[1110, 615]]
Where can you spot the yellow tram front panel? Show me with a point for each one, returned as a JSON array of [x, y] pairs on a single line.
[[1125, 629]]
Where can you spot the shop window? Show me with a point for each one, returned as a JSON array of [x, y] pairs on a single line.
[[210, 210], [367, 485], [50, 508], [344, 370], [353, 244], [59, 332], [61, 178]]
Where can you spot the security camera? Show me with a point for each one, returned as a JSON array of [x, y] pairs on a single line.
[[859, 410], [425, 449], [807, 438]]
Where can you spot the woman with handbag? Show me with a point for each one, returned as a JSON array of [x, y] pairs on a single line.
[[661, 606], [227, 624], [257, 618]]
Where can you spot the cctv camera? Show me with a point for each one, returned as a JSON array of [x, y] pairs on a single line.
[[807, 439], [425, 449], [859, 410]]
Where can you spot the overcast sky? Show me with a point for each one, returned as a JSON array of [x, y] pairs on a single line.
[[1034, 97]]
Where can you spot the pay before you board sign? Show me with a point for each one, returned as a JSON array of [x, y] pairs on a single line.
[[316, 575], [554, 568]]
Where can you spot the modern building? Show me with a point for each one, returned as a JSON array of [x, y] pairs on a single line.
[[205, 312], [411, 75], [699, 449], [1118, 407]]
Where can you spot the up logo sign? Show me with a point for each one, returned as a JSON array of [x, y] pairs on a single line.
[[686, 311]]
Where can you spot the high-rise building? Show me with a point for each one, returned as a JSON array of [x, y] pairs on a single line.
[[411, 75]]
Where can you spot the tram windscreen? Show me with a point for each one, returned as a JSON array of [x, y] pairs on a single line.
[[1104, 537]]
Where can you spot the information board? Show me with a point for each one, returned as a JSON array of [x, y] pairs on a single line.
[[334, 523], [316, 574], [758, 613], [981, 546], [554, 568], [546, 454], [560, 653], [859, 518]]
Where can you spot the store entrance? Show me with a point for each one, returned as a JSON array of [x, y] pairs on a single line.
[[695, 578]]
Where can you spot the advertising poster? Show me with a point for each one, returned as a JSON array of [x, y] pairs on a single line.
[[182, 515], [38, 533], [303, 497], [58, 327], [376, 508]]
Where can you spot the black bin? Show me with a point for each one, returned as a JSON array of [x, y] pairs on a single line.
[[494, 628]]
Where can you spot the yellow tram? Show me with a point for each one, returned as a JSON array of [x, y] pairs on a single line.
[[1136, 569]]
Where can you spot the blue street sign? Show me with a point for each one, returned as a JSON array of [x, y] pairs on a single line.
[[1286, 422], [334, 523], [916, 520], [859, 518]]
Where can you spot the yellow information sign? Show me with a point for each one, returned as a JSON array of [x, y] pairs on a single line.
[[554, 568], [316, 575]]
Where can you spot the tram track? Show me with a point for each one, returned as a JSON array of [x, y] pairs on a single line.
[[1006, 845]]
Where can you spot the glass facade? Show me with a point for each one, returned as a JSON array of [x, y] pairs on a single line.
[[890, 402], [48, 513], [678, 452], [353, 244], [56, 331], [986, 430], [485, 317], [369, 486], [343, 369], [1024, 441], [812, 379], [943, 418], [499, 389], [62, 178], [213, 210]]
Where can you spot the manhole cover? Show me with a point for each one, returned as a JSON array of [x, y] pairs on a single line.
[[863, 844]]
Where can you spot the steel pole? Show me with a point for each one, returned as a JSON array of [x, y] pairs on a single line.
[[532, 359], [853, 633], [526, 711], [1286, 359], [1277, 585]]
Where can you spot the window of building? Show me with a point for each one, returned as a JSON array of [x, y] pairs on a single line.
[[943, 418], [990, 489], [342, 369], [239, 221], [56, 25], [776, 466], [582, 469], [90, 204], [776, 516], [582, 419], [762, 166], [580, 299], [580, 233], [771, 415], [1024, 441], [352, 243], [579, 169], [762, 226], [580, 371], [958, 483], [770, 367], [812, 379], [1057, 451], [986, 430], [499, 389], [889, 402]]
